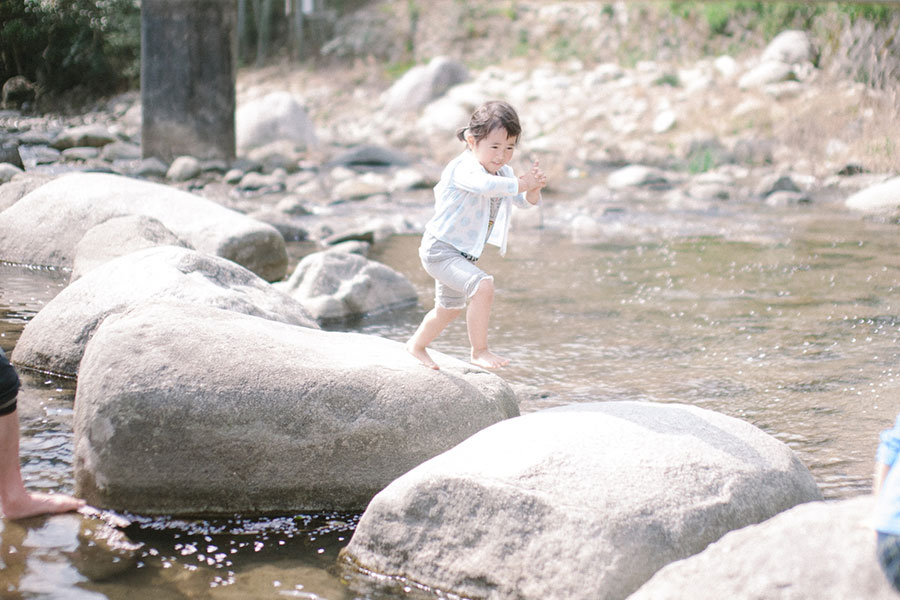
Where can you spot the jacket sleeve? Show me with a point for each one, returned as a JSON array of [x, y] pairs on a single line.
[[475, 180]]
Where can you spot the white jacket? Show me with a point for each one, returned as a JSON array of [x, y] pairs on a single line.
[[463, 205]]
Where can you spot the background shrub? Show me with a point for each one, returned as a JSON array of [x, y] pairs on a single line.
[[66, 45]]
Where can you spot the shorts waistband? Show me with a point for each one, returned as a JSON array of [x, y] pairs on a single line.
[[469, 257]]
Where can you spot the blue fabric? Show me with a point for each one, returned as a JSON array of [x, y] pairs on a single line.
[[888, 551], [887, 506], [463, 205]]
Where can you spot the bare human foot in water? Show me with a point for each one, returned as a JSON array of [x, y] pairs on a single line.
[[32, 504], [421, 354], [488, 360]]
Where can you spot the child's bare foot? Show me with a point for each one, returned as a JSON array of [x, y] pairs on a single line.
[[39, 503], [488, 360], [422, 355]]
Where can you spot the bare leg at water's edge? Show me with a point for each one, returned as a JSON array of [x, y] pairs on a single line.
[[16, 501], [478, 318], [432, 325]]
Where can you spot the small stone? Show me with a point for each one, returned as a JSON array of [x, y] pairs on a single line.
[[183, 168]]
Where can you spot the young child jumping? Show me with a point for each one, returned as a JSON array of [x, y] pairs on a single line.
[[473, 203]]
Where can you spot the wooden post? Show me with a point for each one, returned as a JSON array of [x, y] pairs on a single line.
[[188, 63]]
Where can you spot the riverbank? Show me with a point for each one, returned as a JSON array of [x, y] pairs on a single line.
[[768, 127]]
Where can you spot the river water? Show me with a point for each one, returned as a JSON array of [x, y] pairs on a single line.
[[793, 328]]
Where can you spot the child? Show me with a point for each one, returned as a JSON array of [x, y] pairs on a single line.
[[15, 501], [472, 207]]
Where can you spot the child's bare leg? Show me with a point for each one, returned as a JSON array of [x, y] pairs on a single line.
[[477, 319], [15, 500], [432, 325]]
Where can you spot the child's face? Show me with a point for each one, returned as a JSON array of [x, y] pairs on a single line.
[[494, 150]]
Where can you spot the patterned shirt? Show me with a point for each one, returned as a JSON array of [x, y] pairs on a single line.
[[463, 197]]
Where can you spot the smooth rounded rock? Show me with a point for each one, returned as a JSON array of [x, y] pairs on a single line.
[[275, 117], [584, 501], [54, 340], [424, 83], [117, 237], [335, 286], [187, 410], [791, 47], [817, 551], [879, 198], [43, 227]]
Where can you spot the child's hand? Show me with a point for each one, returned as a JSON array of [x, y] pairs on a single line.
[[539, 174], [534, 180]]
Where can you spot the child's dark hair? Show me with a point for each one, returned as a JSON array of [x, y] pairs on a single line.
[[492, 115]]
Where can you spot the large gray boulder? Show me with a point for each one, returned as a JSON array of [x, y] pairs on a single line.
[[585, 501], [882, 197], [55, 338], [335, 286], [817, 551], [43, 227], [195, 410]]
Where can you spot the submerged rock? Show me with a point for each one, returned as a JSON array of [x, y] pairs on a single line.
[[817, 551], [44, 226], [187, 409], [55, 338], [585, 501]]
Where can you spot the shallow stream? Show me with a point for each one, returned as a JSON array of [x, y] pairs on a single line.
[[795, 331]]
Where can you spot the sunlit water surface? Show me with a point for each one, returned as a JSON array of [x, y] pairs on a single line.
[[795, 331]]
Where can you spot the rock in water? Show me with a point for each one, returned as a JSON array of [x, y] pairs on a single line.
[[585, 501], [817, 551], [186, 410], [44, 226], [55, 338], [335, 286]]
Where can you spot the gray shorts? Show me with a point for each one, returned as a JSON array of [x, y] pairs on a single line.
[[456, 278]]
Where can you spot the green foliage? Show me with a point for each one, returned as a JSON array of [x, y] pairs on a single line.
[[66, 44], [879, 14], [701, 161], [396, 70], [523, 43], [670, 79], [717, 16], [771, 18]]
